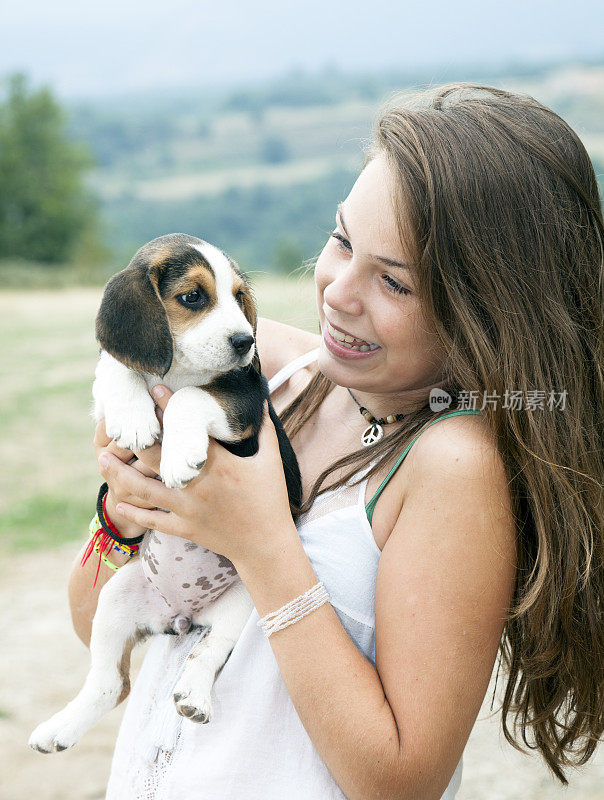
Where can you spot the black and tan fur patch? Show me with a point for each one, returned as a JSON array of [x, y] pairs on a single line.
[[132, 324]]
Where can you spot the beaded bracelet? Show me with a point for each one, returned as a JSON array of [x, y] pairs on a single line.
[[295, 610], [102, 543]]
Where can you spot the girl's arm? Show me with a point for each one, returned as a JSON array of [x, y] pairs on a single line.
[[444, 585], [83, 595]]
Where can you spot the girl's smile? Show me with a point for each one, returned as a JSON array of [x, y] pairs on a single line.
[[344, 345]]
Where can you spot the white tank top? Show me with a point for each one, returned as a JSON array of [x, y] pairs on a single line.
[[255, 747]]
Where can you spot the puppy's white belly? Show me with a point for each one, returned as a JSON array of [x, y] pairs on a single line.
[[188, 577]]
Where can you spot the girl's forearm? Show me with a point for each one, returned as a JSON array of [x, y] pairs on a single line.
[[337, 693], [83, 595]]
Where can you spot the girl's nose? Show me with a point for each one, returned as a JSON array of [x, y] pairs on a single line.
[[342, 294]]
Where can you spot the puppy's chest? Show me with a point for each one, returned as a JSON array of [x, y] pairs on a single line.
[[178, 377], [187, 576]]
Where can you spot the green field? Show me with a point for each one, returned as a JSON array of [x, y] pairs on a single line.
[[48, 353]]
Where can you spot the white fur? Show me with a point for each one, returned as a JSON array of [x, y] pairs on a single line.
[[191, 416], [207, 343], [128, 604], [122, 398]]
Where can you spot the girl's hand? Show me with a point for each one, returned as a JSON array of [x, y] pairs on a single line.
[[237, 507], [146, 466]]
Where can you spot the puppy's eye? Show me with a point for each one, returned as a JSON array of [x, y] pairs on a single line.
[[239, 297], [196, 298]]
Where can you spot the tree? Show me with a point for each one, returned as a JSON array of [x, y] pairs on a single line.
[[44, 207]]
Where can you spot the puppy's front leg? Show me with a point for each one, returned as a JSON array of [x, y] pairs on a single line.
[[191, 416], [121, 396], [226, 617]]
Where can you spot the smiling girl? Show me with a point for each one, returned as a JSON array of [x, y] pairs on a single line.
[[468, 258]]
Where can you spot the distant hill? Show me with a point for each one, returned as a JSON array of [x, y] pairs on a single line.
[[259, 171]]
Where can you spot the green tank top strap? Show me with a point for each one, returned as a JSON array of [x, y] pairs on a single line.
[[370, 506]]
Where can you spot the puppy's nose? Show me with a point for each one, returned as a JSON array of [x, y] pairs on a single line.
[[241, 342]]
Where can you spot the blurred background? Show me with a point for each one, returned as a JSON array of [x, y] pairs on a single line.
[[244, 125]]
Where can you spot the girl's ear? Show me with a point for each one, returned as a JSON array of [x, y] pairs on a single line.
[[132, 325]]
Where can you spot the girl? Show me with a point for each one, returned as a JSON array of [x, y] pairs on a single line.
[[465, 264]]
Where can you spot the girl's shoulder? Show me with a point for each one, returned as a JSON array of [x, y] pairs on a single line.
[[455, 441], [462, 444], [278, 344]]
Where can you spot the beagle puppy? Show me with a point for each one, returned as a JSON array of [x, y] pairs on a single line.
[[181, 314]]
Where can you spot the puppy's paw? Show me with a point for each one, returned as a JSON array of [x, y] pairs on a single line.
[[182, 459], [133, 426], [194, 688], [195, 706], [178, 475], [56, 734]]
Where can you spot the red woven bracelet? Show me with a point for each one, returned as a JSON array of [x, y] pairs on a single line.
[[110, 524], [106, 523]]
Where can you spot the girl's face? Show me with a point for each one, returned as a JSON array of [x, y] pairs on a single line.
[[365, 291]]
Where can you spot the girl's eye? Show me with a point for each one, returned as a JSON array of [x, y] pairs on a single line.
[[391, 284], [343, 243], [196, 298], [395, 287]]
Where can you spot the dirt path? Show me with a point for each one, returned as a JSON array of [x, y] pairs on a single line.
[[43, 664]]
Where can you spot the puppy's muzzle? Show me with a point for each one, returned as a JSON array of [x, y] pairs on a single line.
[[241, 343]]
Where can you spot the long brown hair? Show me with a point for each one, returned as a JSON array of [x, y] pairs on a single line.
[[501, 201]]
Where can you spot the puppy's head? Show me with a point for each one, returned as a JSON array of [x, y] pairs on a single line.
[[179, 300]]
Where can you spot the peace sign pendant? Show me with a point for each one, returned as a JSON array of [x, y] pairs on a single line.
[[372, 434]]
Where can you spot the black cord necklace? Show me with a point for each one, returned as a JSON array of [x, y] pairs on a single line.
[[374, 431]]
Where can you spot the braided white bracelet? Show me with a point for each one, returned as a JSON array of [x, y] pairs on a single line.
[[294, 610]]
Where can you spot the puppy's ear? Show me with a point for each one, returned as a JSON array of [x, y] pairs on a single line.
[[248, 306], [132, 325]]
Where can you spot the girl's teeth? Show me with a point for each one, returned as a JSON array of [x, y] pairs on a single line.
[[346, 340], [363, 348]]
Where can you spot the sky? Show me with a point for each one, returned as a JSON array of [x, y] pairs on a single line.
[[102, 49]]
